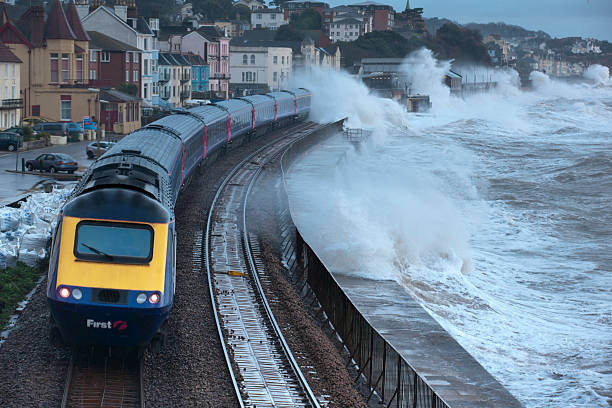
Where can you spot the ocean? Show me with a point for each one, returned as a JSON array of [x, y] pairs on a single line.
[[493, 211]]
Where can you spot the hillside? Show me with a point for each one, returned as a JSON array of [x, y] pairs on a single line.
[[503, 29]]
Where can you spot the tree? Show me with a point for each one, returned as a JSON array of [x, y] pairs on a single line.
[[244, 11], [130, 89], [309, 19], [213, 9], [461, 44], [287, 32]]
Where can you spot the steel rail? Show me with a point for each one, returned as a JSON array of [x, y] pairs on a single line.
[[247, 244], [207, 241]]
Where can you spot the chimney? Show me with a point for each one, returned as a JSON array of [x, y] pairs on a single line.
[[132, 10], [121, 12], [37, 27]]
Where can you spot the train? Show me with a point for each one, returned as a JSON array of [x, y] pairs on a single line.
[[112, 265]]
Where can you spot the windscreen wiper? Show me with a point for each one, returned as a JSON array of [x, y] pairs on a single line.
[[97, 251]]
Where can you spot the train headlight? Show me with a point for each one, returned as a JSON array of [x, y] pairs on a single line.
[[154, 298], [77, 294], [64, 292], [141, 298]]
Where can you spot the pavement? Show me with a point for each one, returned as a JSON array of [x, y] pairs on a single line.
[[14, 186]]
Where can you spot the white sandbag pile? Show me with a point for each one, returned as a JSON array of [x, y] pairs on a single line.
[[26, 231]]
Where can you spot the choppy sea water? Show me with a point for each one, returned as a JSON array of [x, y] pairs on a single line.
[[495, 213]]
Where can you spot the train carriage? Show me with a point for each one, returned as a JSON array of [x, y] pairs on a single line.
[[264, 109], [215, 127], [240, 116], [302, 101], [112, 267], [285, 104]]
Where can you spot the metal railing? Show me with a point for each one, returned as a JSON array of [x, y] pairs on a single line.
[[379, 365], [11, 104]]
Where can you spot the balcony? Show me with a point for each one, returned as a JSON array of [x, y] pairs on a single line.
[[185, 78], [185, 94], [164, 77], [218, 75], [11, 104]]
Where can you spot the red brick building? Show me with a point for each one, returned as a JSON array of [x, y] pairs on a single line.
[[383, 15], [113, 62]]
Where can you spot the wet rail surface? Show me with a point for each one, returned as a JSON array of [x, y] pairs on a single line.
[[264, 372], [103, 378]]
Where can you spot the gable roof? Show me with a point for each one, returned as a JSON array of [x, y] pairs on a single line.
[[6, 55], [104, 9], [142, 26], [57, 27], [211, 33], [75, 22], [103, 42]]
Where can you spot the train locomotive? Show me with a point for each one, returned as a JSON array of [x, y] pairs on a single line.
[[112, 268]]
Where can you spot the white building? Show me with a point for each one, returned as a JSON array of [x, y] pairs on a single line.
[[252, 67], [11, 104], [346, 29], [174, 79], [268, 18], [135, 31], [251, 4]]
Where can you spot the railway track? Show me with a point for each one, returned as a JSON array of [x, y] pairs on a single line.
[[264, 371], [99, 378]]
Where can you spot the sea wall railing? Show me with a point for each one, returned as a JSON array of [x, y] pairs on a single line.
[[378, 364]]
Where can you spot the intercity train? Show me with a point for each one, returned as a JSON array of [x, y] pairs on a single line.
[[112, 268]]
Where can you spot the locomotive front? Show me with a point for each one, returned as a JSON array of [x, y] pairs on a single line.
[[112, 271]]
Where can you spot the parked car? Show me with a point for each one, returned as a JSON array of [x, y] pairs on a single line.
[[52, 162], [19, 130], [59, 128], [10, 140], [92, 148]]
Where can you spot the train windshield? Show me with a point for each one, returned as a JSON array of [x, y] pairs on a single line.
[[113, 242]]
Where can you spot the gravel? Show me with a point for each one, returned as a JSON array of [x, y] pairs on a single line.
[[190, 369], [319, 360]]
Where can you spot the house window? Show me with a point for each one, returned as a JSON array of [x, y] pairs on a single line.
[[283, 59], [92, 74], [273, 16], [252, 59], [243, 77], [93, 56], [146, 91], [13, 92], [259, 16], [54, 68], [245, 59], [145, 67], [65, 108], [275, 59], [35, 110], [79, 67], [275, 76], [145, 44], [105, 57], [127, 75], [135, 76], [13, 70], [127, 56]]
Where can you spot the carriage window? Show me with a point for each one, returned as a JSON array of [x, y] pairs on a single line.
[[113, 242]]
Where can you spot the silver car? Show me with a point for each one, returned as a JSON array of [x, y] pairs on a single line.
[[92, 148]]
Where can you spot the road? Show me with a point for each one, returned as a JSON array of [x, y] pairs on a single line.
[[15, 186]]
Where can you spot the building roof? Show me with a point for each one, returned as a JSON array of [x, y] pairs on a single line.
[[167, 58], [166, 31], [57, 27], [114, 96], [75, 22], [347, 21], [195, 59], [258, 35], [211, 33], [268, 11], [242, 42], [142, 26], [103, 42], [6, 55]]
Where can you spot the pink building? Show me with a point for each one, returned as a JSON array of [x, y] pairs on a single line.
[[209, 43]]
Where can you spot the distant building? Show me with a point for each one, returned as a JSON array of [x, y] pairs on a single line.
[[333, 16], [174, 79], [112, 62], [119, 112], [260, 66], [585, 47], [347, 29], [268, 18], [251, 4], [11, 103], [53, 52], [199, 73], [296, 7], [213, 46], [123, 24], [383, 15]]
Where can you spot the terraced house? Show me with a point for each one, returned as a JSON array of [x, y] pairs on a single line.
[[53, 51]]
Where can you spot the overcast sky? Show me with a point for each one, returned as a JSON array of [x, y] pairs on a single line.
[[559, 18]]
